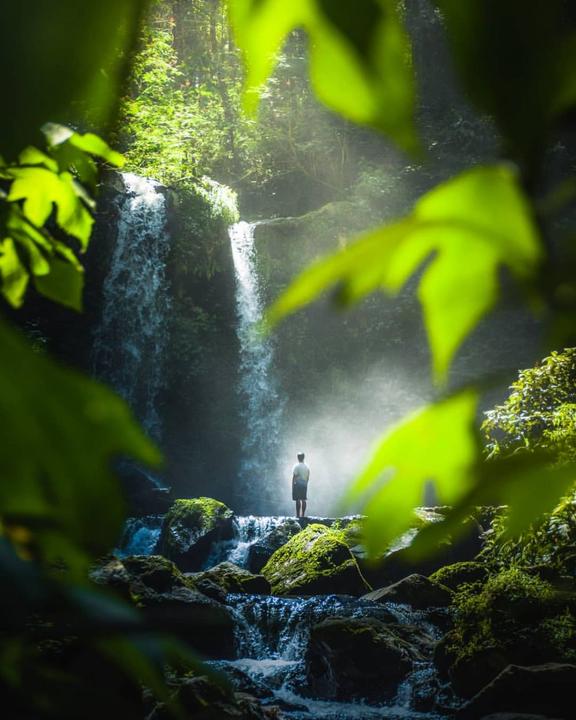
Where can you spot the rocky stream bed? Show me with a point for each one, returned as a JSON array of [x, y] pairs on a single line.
[[293, 622]]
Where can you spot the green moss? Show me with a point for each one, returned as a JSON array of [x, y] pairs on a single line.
[[455, 575], [316, 560], [201, 513]]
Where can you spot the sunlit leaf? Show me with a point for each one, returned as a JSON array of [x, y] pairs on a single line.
[[466, 228], [360, 60], [435, 444], [13, 273], [89, 143], [41, 190]]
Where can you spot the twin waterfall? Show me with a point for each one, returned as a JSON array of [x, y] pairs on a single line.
[[261, 403], [131, 339]]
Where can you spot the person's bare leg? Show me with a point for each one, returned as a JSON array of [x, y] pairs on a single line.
[[303, 508], [297, 508]]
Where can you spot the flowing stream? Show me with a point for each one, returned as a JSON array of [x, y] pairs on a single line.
[[131, 339], [258, 387]]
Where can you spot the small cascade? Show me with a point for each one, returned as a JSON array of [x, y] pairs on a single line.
[[141, 535], [132, 336], [272, 637], [262, 406], [248, 530]]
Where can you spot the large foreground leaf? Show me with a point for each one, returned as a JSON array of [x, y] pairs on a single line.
[[60, 434], [436, 444], [467, 228], [360, 58]]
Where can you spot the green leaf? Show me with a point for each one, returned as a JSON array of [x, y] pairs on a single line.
[[41, 189], [61, 432], [360, 60], [466, 228], [64, 284], [13, 273], [528, 484], [62, 60], [516, 61], [89, 143], [438, 444]]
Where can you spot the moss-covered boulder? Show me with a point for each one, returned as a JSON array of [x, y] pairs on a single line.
[[232, 579], [457, 574], [314, 562], [190, 529], [416, 590], [361, 658], [260, 552], [513, 619]]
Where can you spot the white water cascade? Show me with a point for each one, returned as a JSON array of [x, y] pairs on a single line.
[[130, 341], [262, 406]]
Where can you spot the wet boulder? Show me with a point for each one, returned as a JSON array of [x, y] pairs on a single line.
[[539, 689], [314, 562], [262, 550], [190, 529], [202, 698], [457, 574], [231, 579], [359, 658], [130, 574], [416, 590]]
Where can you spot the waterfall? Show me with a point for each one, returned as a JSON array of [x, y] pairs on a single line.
[[130, 341], [141, 535], [262, 407]]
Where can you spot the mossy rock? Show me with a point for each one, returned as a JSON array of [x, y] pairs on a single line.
[[457, 574], [128, 575], [514, 618], [190, 529], [314, 562], [232, 579]]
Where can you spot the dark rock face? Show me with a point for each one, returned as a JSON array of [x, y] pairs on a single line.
[[232, 579], [314, 562], [261, 551], [415, 590], [190, 529], [359, 658], [542, 689]]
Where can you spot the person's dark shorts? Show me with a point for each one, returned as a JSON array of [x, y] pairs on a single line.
[[299, 491]]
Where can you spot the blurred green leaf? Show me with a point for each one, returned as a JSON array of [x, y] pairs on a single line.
[[516, 60], [360, 60], [61, 61], [438, 444], [528, 484], [64, 284], [61, 432], [13, 273], [89, 143], [467, 228]]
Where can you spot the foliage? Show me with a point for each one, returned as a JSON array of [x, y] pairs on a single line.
[[513, 64], [61, 176], [539, 412]]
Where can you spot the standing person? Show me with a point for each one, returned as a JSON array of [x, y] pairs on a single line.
[[300, 477]]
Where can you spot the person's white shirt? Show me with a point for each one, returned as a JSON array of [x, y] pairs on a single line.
[[301, 472]]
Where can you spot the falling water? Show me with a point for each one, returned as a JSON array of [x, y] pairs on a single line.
[[262, 408], [130, 341]]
